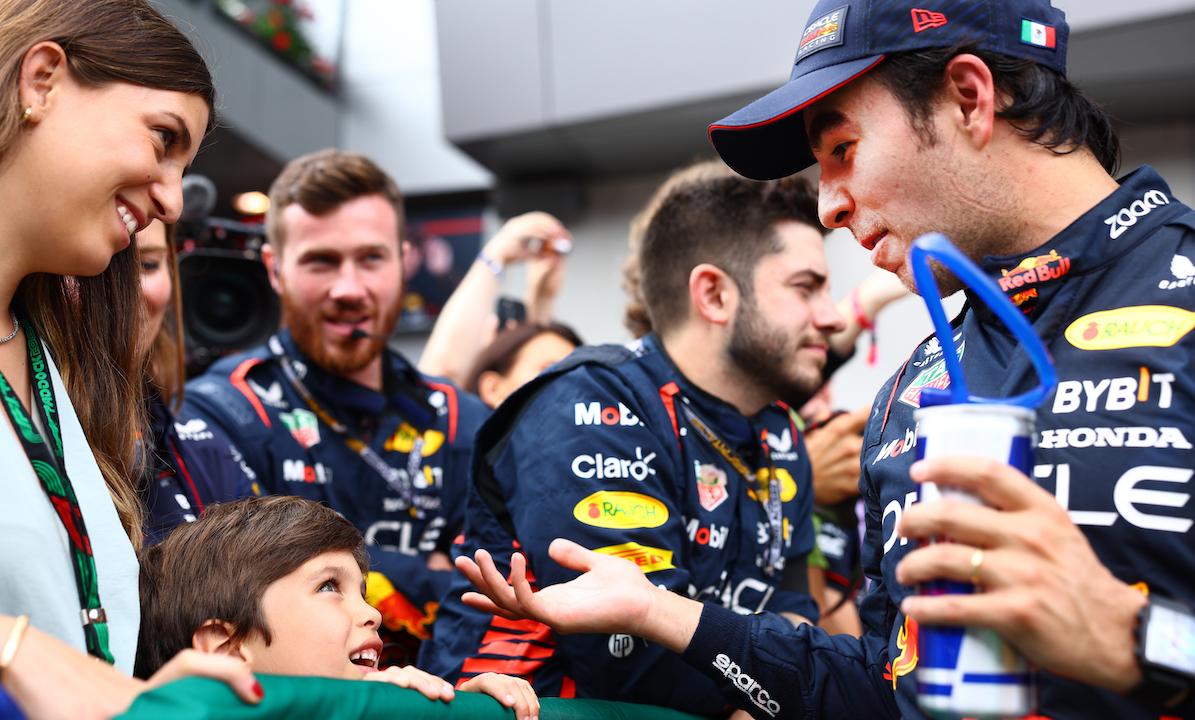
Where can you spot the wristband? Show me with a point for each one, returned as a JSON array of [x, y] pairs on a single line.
[[868, 326], [860, 316], [15, 635], [491, 264]]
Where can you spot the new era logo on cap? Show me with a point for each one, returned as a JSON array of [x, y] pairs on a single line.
[[927, 20], [1039, 34]]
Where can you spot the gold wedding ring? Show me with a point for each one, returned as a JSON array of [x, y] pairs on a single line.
[[976, 564]]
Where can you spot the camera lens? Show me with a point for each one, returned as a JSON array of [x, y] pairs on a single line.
[[228, 304]]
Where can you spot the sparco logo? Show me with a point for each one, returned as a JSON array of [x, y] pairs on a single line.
[[1128, 217], [747, 685], [594, 414]]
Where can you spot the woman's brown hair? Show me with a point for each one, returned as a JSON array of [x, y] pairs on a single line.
[[501, 354], [90, 325], [167, 351]]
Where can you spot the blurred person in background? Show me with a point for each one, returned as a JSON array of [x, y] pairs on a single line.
[[188, 466], [516, 356], [467, 324]]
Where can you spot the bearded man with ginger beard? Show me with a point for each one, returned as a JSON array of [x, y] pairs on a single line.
[[324, 410]]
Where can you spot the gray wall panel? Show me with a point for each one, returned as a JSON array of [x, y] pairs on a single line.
[[259, 97], [491, 67], [625, 56]]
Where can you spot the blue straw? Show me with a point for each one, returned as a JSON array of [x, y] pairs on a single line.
[[935, 246]]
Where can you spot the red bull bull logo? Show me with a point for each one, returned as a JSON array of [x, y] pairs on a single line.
[[906, 661]]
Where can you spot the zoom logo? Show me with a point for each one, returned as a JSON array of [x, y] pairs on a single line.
[[1128, 217]]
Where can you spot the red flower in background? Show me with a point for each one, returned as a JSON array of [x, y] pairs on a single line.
[[282, 42]]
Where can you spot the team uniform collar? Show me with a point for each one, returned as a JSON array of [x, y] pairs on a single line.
[[729, 423], [403, 388], [1098, 237]]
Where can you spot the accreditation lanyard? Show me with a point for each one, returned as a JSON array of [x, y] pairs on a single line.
[[767, 487], [395, 479], [45, 454]]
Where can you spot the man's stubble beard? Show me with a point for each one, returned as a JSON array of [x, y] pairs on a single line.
[[763, 355], [982, 219]]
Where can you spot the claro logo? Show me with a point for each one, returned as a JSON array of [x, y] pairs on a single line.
[[745, 683], [1127, 217]]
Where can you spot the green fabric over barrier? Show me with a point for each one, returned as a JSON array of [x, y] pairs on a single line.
[[309, 697]]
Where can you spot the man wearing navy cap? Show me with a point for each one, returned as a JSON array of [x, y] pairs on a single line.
[[957, 117]]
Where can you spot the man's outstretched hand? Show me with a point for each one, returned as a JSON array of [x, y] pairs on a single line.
[[610, 596]]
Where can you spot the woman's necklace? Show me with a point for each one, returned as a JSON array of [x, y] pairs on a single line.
[[16, 328]]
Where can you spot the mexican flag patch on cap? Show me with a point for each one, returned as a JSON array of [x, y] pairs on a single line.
[[1039, 34]]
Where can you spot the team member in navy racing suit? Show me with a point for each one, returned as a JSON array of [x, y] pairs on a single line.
[[191, 467], [673, 454], [324, 410], [947, 139]]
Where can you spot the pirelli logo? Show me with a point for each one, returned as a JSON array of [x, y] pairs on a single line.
[[649, 559]]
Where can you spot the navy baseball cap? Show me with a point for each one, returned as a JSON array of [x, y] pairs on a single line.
[[844, 39]]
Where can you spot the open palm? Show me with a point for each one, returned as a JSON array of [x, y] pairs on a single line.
[[611, 594]]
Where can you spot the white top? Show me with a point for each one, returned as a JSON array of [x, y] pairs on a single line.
[[36, 576]]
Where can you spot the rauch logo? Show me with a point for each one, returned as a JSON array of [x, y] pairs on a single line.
[[1128, 327], [621, 510]]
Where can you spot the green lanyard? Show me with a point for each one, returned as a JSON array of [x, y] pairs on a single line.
[[49, 464], [401, 484]]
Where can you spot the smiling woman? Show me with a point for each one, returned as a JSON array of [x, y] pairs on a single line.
[[102, 106]]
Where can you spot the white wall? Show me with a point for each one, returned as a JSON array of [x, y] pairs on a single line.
[[391, 92]]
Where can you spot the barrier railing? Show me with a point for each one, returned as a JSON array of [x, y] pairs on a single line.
[[306, 697]]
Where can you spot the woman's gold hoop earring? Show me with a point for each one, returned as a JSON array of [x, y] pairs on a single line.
[[25, 116]]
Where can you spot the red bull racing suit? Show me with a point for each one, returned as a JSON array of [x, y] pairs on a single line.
[[1112, 296], [616, 450]]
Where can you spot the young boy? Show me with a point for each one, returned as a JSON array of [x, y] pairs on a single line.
[[278, 582]]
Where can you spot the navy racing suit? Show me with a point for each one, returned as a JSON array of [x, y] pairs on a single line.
[[610, 449], [420, 426], [191, 466], [1112, 297]]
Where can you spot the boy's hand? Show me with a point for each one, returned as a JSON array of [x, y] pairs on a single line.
[[512, 692], [432, 687]]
